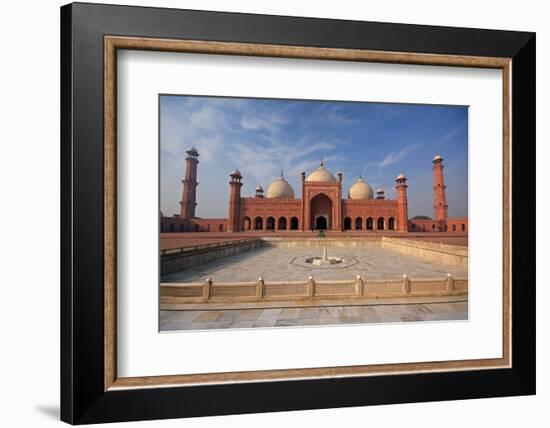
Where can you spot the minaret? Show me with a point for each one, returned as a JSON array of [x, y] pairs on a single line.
[[303, 198], [440, 200], [189, 196], [259, 191], [402, 205], [235, 185]]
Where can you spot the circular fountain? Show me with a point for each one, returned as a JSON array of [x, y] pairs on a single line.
[[324, 260]]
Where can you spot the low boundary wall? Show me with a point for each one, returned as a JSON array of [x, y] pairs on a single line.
[[440, 253], [175, 260], [310, 290]]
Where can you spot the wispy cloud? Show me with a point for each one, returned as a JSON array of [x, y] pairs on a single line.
[[336, 115], [451, 133], [259, 121], [394, 157]]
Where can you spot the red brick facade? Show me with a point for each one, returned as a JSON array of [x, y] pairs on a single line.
[[321, 206]]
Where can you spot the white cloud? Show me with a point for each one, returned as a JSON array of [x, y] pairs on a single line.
[[257, 121], [394, 157]]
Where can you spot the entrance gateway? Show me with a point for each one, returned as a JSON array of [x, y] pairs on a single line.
[[321, 212]]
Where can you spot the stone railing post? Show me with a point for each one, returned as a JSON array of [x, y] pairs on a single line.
[[260, 288], [450, 284], [406, 285], [207, 289], [310, 286], [359, 286]]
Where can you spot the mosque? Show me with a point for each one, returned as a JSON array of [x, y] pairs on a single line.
[[322, 206]]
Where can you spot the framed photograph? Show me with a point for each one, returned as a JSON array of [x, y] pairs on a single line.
[[265, 213]]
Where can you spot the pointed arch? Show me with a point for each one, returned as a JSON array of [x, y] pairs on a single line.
[[370, 223], [347, 223]]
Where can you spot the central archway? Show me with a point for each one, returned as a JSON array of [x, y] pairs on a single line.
[[321, 212], [321, 223]]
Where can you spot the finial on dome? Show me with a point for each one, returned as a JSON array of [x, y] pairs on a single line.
[[322, 161], [282, 176]]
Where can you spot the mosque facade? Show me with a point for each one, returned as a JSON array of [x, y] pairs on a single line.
[[323, 205]]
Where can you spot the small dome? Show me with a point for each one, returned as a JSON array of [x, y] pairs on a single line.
[[437, 158], [360, 190], [400, 176], [280, 189], [259, 188], [236, 172], [321, 174], [380, 190]]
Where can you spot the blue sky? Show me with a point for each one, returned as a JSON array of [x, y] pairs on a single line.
[[262, 136]]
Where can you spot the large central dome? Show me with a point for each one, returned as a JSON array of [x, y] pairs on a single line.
[[280, 189], [360, 190], [321, 174]]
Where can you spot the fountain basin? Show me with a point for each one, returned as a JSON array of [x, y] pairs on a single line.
[[320, 261], [324, 260]]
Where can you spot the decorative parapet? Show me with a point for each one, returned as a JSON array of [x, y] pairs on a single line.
[[310, 290]]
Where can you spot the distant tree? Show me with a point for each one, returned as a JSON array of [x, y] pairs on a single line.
[[421, 217]]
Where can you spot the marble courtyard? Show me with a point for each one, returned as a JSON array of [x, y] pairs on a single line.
[[272, 283]]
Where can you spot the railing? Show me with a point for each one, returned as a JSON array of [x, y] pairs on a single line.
[[260, 291], [203, 247]]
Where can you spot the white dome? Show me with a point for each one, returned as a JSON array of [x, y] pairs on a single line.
[[360, 190], [321, 174], [280, 189]]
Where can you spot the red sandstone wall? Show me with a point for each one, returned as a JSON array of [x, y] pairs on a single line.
[[459, 224], [360, 211], [275, 213], [177, 224]]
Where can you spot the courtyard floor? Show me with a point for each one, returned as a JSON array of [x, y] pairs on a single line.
[[331, 315], [277, 264]]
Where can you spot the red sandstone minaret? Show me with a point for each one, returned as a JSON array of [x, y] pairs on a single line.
[[440, 200], [189, 196], [402, 205], [303, 205], [233, 224]]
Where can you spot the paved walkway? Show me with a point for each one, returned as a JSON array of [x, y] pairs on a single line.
[[332, 315], [279, 264]]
